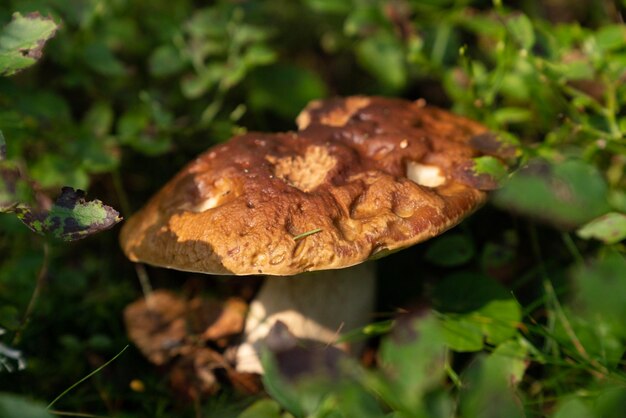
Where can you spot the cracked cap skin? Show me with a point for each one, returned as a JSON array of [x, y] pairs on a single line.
[[333, 194]]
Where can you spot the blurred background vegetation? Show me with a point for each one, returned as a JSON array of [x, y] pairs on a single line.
[[128, 91]]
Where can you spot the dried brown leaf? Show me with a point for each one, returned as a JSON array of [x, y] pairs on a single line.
[[230, 321], [157, 325]]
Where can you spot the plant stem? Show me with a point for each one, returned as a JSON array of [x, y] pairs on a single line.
[[573, 249], [41, 277], [121, 192], [86, 377]]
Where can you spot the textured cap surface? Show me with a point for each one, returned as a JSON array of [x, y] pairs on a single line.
[[363, 176]]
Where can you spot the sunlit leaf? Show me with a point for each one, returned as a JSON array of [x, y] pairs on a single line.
[[22, 41], [609, 228], [265, 408], [611, 37], [521, 28], [509, 115], [475, 308], [483, 173], [71, 217]]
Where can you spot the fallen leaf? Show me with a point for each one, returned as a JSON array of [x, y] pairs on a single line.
[[172, 331], [230, 321], [157, 326], [245, 383], [193, 376]]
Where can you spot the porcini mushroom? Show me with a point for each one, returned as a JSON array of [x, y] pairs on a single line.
[[362, 177]]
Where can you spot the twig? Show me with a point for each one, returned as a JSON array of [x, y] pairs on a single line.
[[144, 282]]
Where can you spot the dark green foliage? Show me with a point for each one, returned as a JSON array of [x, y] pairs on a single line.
[[450, 250], [12, 406], [518, 315]]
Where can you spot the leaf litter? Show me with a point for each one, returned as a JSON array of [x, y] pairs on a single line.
[[191, 340]]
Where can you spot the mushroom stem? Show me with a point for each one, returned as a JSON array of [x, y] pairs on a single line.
[[317, 306]]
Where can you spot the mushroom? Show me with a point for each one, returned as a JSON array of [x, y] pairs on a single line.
[[361, 178]]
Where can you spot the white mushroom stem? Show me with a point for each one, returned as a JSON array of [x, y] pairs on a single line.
[[318, 306]]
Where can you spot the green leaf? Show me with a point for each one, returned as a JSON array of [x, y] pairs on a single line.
[[521, 29], [71, 217], [100, 58], [507, 115], [609, 228], [330, 6], [600, 290], [194, 86], [22, 41], [611, 402], [483, 173], [512, 357], [258, 55], [53, 170], [382, 55], [490, 166], [575, 70], [475, 308], [284, 89], [165, 61], [566, 194], [462, 335], [135, 128], [301, 375], [573, 408], [265, 408], [601, 337], [488, 384], [450, 250], [362, 19], [611, 37], [350, 400], [14, 189], [412, 361], [99, 119], [13, 406]]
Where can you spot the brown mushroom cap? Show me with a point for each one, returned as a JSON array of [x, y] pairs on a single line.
[[240, 207]]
